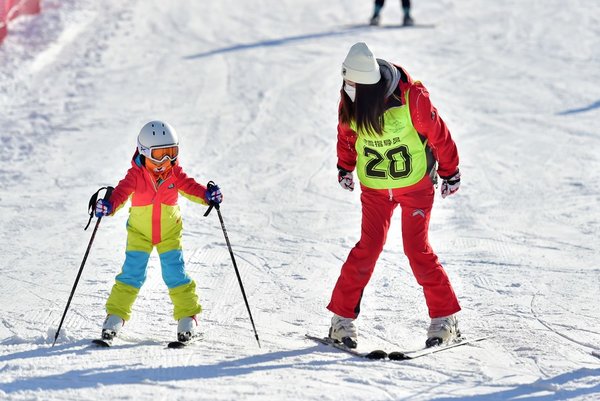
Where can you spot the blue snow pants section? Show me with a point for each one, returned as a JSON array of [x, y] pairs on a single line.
[[134, 269], [173, 269]]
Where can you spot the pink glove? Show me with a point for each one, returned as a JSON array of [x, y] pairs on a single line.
[[345, 179], [450, 184]]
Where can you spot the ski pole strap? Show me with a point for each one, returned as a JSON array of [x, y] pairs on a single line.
[[210, 208], [211, 205], [94, 200]]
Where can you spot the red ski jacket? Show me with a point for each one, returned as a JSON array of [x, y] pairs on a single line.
[[426, 121], [154, 211]]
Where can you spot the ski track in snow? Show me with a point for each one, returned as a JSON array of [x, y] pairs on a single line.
[[252, 89]]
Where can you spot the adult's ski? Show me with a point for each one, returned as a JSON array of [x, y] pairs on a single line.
[[402, 355], [375, 354], [394, 355]]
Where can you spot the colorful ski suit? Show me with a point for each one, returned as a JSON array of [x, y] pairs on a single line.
[[154, 221], [394, 169]]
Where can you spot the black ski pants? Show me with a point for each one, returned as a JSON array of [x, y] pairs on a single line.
[[405, 3]]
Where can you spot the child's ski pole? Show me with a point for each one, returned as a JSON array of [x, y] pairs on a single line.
[[91, 209], [216, 206]]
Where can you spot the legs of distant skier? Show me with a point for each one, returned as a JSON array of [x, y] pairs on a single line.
[[376, 10], [378, 5], [407, 20]]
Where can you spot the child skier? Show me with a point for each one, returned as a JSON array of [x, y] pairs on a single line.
[[154, 182]]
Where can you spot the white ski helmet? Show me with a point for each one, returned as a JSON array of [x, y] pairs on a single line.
[[158, 141]]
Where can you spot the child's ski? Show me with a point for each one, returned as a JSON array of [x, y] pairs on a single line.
[[105, 343], [183, 344], [102, 343]]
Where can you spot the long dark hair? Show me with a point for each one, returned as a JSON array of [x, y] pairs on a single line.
[[367, 109]]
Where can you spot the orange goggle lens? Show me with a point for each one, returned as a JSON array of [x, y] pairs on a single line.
[[160, 154]]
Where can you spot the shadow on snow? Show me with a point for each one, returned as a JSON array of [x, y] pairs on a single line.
[[129, 374], [592, 106], [346, 30], [118, 374], [539, 389]]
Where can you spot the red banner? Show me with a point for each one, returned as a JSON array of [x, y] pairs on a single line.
[[10, 9]]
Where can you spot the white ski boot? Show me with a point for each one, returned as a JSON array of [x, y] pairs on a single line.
[[110, 328], [442, 330], [343, 330], [186, 328]]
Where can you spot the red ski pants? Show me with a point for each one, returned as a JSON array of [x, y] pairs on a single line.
[[377, 209]]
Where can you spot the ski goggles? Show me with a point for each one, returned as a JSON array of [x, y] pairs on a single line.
[[160, 154]]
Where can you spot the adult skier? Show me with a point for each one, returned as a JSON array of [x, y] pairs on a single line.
[[391, 134], [154, 183]]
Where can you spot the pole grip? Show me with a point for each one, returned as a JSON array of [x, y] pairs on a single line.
[[211, 205], [94, 200]]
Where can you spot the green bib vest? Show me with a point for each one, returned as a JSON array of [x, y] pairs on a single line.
[[395, 159]]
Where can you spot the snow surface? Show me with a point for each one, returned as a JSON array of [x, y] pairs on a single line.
[[252, 88]]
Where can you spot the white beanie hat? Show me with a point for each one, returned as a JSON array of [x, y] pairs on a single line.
[[360, 65]]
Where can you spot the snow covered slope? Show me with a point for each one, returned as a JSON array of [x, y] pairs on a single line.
[[252, 89]]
